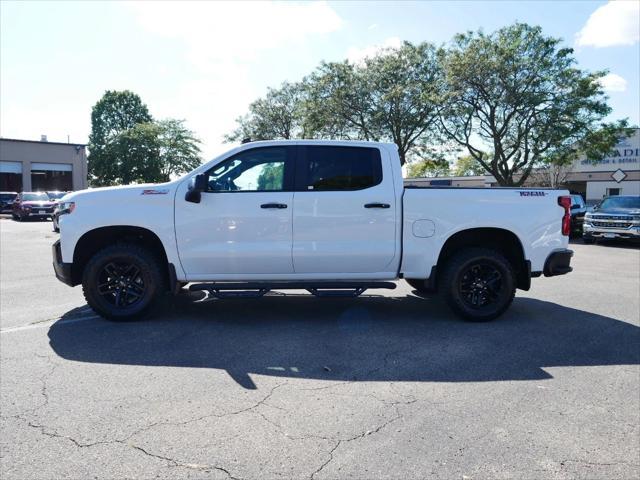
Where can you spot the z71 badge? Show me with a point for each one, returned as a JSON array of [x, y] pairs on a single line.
[[533, 193]]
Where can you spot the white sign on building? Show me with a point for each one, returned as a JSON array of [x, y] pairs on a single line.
[[618, 173]]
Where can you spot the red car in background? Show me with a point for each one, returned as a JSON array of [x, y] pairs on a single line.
[[32, 205]]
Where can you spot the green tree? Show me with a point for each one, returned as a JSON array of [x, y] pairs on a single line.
[[394, 96], [276, 116], [518, 93], [428, 168], [179, 150], [271, 177], [114, 113], [135, 155], [468, 165], [153, 152]]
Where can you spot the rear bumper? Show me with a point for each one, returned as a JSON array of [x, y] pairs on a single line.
[[61, 269], [558, 263]]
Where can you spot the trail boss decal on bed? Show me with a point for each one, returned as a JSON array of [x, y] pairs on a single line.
[[532, 193]]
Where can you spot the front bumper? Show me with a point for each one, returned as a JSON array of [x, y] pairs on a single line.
[[61, 269], [558, 263], [601, 232]]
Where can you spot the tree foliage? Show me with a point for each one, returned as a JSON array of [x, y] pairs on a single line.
[[519, 93], [179, 150], [468, 165], [436, 167], [127, 146], [271, 177], [393, 97], [515, 93], [114, 113], [276, 116], [153, 152]]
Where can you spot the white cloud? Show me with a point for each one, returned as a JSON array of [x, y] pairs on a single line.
[[613, 83], [222, 40], [372, 26], [238, 31], [616, 23], [358, 55]]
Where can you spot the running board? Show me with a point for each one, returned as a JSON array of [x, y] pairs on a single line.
[[259, 289]]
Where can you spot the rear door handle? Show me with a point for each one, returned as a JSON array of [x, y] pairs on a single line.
[[377, 205], [273, 205]]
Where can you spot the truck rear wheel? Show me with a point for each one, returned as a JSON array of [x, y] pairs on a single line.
[[478, 284], [122, 282]]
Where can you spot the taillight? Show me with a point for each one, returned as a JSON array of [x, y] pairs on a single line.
[[565, 202]]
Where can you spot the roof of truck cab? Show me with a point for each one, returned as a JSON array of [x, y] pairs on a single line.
[[358, 143]]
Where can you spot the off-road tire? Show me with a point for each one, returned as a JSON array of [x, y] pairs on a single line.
[[455, 277], [151, 276]]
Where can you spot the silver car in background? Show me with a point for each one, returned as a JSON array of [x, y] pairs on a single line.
[[614, 217]]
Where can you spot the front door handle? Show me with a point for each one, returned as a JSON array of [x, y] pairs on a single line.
[[273, 205], [377, 205]]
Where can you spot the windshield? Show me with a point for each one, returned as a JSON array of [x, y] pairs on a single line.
[[7, 196], [621, 202], [34, 197], [56, 195]]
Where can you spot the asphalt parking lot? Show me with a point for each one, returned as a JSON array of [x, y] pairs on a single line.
[[389, 385]]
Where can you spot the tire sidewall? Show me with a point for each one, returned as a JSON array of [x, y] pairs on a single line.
[[150, 275], [459, 265]]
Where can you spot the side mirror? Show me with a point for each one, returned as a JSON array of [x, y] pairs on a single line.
[[197, 185]]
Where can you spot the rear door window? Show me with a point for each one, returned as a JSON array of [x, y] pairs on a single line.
[[328, 168]]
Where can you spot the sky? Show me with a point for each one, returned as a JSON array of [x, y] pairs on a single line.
[[205, 62]]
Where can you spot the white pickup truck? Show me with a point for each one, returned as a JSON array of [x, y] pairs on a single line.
[[331, 217]]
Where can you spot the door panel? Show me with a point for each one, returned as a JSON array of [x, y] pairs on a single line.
[[243, 225], [229, 233], [339, 224]]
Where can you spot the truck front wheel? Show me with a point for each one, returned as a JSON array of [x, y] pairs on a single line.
[[122, 282], [478, 284]]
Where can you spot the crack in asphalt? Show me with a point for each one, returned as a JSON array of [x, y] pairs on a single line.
[[361, 435], [178, 463], [585, 462], [43, 390], [44, 430]]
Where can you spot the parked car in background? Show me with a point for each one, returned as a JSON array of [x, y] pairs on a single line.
[[614, 217], [578, 210], [32, 205], [55, 197], [6, 201]]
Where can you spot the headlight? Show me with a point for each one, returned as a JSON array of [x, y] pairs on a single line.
[[66, 207]]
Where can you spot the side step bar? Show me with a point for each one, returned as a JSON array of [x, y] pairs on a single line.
[[259, 289]]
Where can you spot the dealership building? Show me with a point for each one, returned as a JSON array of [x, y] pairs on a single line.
[[618, 173], [27, 165]]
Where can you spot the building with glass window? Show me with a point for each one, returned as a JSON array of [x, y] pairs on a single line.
[[28, 165]]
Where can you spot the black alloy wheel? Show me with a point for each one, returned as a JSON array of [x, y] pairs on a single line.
[[121, 284], [480, 285]]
